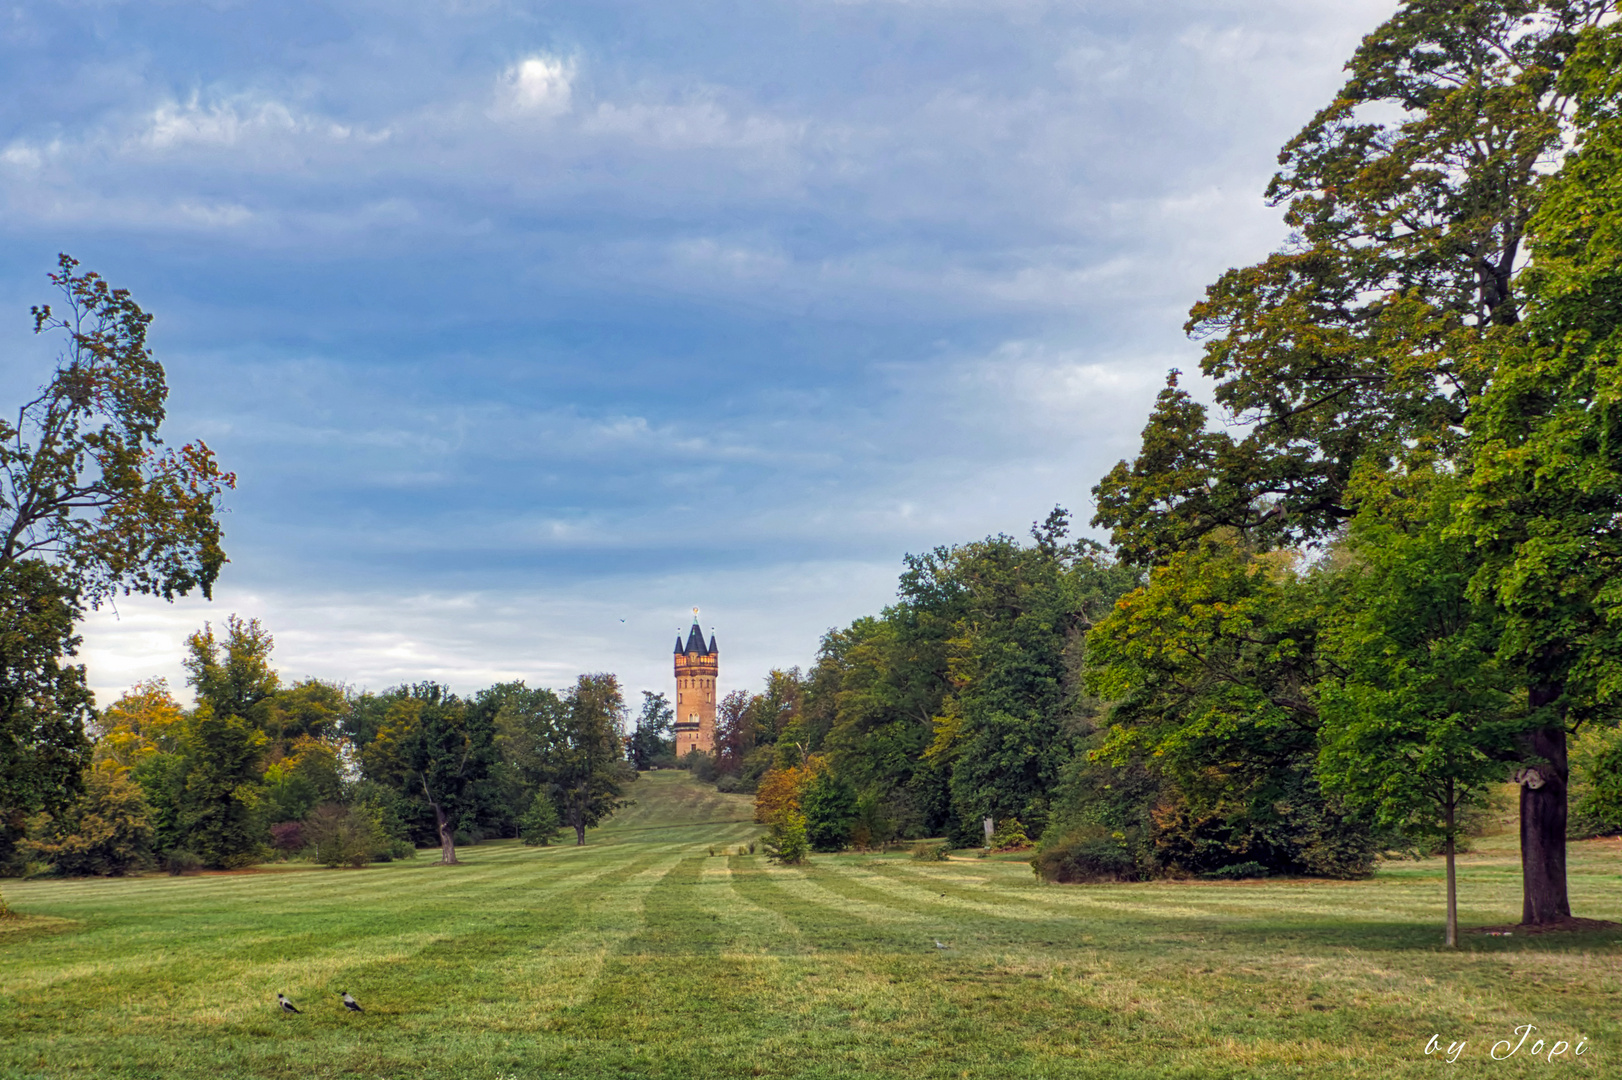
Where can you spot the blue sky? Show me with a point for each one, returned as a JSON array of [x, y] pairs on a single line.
[[520, 320]]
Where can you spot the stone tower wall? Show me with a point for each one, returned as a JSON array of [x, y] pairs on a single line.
[[695, 701]]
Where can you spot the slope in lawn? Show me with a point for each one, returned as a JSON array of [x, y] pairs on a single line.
[[642, 955]]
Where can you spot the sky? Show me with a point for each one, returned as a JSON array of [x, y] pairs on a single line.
[[528, 327]]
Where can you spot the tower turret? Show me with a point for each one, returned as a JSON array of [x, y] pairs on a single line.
[[697, 666]]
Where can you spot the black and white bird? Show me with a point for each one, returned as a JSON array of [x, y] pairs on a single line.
[[350, 1003], [940, 944], [287, 1006]]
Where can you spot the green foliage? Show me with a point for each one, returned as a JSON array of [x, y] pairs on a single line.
[[1596, 766], [1408, 198], [44, 702], [206, 796], [540, 824], [1083, 853], [652, 737], [86, 484], [1548, 465], [178, 861], [931, 851], [311, 774], [786, 839], [1213, 665], [1418, 715], [1009, 835], [1237, 872], [584, 769], [232, 675], [828, 805], [344, 835], [105, 832]]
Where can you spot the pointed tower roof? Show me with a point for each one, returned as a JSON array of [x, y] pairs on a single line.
[[679, 649], [713, 649], [695, 641]]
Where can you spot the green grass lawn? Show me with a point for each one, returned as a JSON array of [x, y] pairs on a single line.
[[640, 955]]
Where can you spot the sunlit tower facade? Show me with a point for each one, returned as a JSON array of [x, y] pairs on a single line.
[[697, 666]]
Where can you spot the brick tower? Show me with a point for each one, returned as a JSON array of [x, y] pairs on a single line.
[[697, 665]]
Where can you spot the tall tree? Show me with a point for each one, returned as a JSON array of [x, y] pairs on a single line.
[[446, 752], [584, 767], [1546, 493], [91, 504], [1371, 337]]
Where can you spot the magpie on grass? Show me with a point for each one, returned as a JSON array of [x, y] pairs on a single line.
[[350, 1003], [287, 1006]]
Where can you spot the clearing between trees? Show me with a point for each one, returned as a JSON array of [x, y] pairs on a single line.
[[643, 955]]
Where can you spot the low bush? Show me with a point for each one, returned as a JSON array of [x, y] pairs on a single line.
[[287, 837], [786, 842], [343, 835], [727, 783], [1009, 835], [1089, 853], [182, 861], [931, 851]]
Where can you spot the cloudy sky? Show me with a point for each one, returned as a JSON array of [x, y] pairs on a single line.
[[529, 326]]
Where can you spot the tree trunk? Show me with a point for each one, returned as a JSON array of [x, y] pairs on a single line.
[[1452, 881], [579, 836], [1543, 828], [447, 837]]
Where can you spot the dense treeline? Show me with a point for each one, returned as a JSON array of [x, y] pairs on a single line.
[[258, 768], [1334, 623]]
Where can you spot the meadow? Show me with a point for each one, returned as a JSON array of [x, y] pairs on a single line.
[[644, 955]]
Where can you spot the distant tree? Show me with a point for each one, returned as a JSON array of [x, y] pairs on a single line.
[[145, 720], [308, 775], [786, 840], [106, 832], [309, 708], [828, 804], [343, 835], [44, 702], [734, 731], [206, 797], [584, 766], [445, 755], [651, 737], [232, 675], [540, 823]]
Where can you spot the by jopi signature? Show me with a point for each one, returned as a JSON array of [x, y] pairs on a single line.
[[1508, 1048]]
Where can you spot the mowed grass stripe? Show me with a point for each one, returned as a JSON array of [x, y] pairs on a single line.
[[641, 955]]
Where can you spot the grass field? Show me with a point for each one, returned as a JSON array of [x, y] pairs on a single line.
[[641, 955]]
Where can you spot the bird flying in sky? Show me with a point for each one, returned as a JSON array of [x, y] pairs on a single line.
[[287, 1006]]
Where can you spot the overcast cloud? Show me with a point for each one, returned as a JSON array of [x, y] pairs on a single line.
[[529, 326]]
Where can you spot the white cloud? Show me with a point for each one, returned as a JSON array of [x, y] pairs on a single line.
[[538, 85], [701, 124]]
